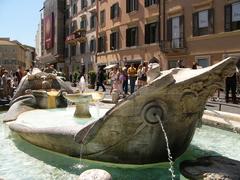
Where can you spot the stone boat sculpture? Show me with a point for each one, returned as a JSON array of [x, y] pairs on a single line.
[[130, 132]]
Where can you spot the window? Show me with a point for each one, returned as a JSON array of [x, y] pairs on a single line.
[[203, 61], [74, 9], [83, 4], [102, 18], [92, 1], [203, 22], [92, 45], [93, 21], [83, 23], [114, 11], [73, 50], [132, 36], [82, 48], [74, 26], [172, 64], [114, 40], [151, 33], [232, 17], [175, 32], [132, 5], [101, 44], [150, 2], [66, 54]]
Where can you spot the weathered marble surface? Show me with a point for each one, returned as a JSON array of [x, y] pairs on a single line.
[[211, 167], [130, 132], [30, 95]]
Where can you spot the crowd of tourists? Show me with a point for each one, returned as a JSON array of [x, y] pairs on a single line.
[[9, 81], [121, 78]]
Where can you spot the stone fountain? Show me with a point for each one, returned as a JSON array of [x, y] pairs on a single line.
[[130, 132], [82, 100]]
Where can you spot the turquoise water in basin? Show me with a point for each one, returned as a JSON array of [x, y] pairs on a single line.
[[20, 160]]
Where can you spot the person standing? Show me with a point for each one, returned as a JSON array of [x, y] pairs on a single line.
[[132, 74], [231, 84], [100, 79], [125, 80]]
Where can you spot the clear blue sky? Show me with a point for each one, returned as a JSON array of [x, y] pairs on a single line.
[[19, 19]]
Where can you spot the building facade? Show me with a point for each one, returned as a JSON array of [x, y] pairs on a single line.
[[80, 36], [14, 54], [204, 31], [128, 32], [53, 33]]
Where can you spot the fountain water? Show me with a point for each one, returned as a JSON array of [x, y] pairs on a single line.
[[171, 163]]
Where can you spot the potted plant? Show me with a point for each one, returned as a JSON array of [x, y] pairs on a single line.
[[92, 79]]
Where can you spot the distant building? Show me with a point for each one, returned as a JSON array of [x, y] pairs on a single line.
[[53, 33], [80, 39], [14, 54]]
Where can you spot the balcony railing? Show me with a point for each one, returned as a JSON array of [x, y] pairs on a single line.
[[177, 44], [77, 36]]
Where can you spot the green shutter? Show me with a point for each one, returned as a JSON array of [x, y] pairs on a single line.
[[211, 21], [228, 17], [195, 24], [147, 34], [169, 29]]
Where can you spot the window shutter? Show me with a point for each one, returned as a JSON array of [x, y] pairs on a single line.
[[136, 5], [117, 10], [195, 24], [228, 17], [211, 21], [128, 40], [117, 40], [147, 34], [146, 3], [169, 29], [136, 36], [111, 41], [99, 44], [127, 6], [111, 12], [181, 22]]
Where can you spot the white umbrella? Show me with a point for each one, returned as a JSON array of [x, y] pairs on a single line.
[[110, 66]]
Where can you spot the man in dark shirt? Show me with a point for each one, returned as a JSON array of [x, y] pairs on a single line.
[[100, 80]]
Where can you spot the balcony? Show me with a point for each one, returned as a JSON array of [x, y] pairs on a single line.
[[177, 45], [77, 36]]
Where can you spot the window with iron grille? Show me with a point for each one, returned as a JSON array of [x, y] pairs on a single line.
[[132, 36], [82, 47], [114, 13], [132, 5], [101, 43], [175, 31], [232, 16], [114, 40], [151, 33], [93, 21], [150, 2], [102, 18], [93, 45], [203, 22]]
